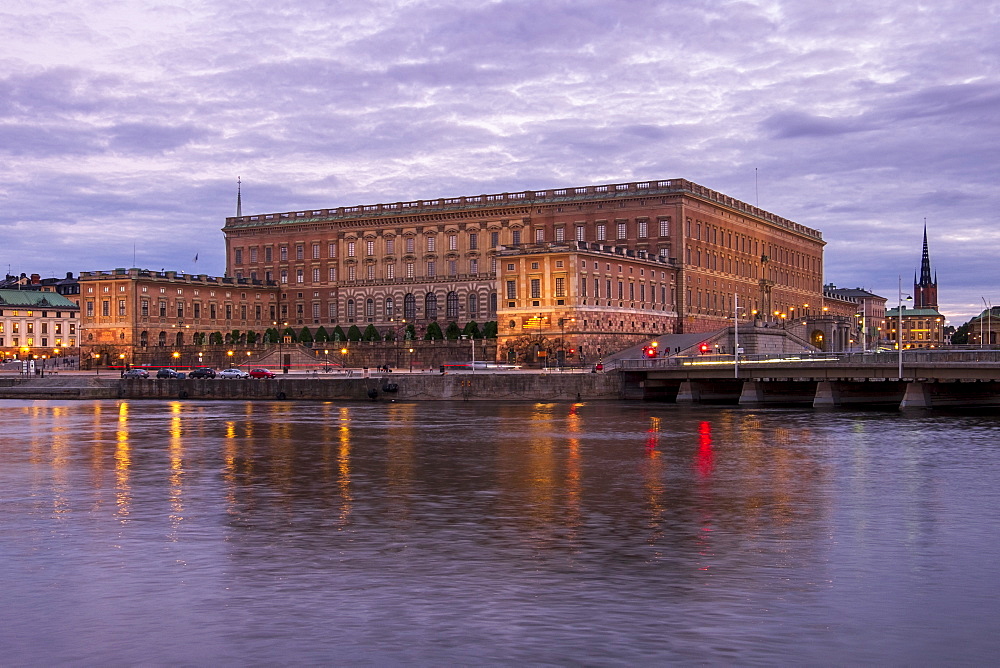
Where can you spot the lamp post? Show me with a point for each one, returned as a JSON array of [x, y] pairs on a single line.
[[229, 354], [343, 352], [736, 335], [97, 363], [121, 357], [177, 358], [411, 360], [989, 323], [899, 329], [248, 361]]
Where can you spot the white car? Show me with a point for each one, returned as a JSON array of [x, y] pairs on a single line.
[[233, 373]]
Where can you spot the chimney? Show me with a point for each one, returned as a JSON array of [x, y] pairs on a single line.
[[36, 279]]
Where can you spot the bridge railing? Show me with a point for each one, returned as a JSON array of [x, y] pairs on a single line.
[[918, 356]]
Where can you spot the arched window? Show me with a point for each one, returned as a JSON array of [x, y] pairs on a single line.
[[390, 308], [473, 306], [409, 306], [162, 339], [370, 308], [350, 309], [143, 339], [493, 303], [451, 306], [180, 339], [431, 306]]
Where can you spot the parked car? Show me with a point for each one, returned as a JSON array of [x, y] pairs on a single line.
[[166, 373], [233, 373], [136, 373], [202, 372], [261, 373]]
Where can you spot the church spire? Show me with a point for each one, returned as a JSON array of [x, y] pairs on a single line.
[[925, 290], [925, 261], [239, 206]]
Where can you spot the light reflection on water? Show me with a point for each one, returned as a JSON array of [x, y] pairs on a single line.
[[607, 534]]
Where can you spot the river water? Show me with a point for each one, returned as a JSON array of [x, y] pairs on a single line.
[[234, 533]]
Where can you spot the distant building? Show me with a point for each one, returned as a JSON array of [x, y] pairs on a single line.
[[869, 312], [37, 323], [923, 325], [984, 329]]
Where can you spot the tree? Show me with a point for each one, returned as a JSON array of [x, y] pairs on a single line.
[[321, 335], [271, 335], [251, 338], [490, 330], [354, 334], [371, 334], [433, 332], [305, 336], [215, 339], [452, 332], [411, 332], [338, 334], [961, 335], [390, 335], [471, 330], [289, 333]]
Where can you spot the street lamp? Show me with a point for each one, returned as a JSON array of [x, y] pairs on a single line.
[[989, 324], [343, 352], [411, 360], [229, 353], [248, 361], [899, 329], [97, 364]]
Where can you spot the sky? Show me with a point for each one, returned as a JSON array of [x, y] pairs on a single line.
[[124, 126]]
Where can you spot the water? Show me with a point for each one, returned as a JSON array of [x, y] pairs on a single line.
[[173, 533]]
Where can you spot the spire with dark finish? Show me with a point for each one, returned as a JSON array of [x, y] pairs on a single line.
[[925, 262], [239, 208], [925, 290]]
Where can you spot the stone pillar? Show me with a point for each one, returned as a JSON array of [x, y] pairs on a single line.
[[826, 394], [753, 393], [918, 395], [687, 394]]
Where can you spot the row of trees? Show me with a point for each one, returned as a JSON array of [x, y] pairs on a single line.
[[433, 332]]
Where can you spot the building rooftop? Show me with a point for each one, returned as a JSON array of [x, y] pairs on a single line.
[[35, 299], [520, 199]]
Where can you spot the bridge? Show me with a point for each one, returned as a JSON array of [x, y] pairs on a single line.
[[917, 378]]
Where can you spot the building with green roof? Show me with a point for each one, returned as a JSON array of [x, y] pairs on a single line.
[[37, 323]]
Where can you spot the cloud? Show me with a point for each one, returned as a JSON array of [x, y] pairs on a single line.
[[854, 118]]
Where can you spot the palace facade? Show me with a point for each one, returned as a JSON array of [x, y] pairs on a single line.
[[137, 316], [638, 259]]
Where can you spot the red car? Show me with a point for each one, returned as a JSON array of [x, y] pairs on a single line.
[[261, 373]]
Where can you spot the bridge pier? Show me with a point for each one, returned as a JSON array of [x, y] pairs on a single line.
[[859, 393], [778, 392], [930, 394], [710, 391]]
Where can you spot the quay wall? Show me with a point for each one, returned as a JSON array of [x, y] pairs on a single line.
[[381, 387]]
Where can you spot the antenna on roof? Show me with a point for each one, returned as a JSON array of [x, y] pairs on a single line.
[[239, 198]]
